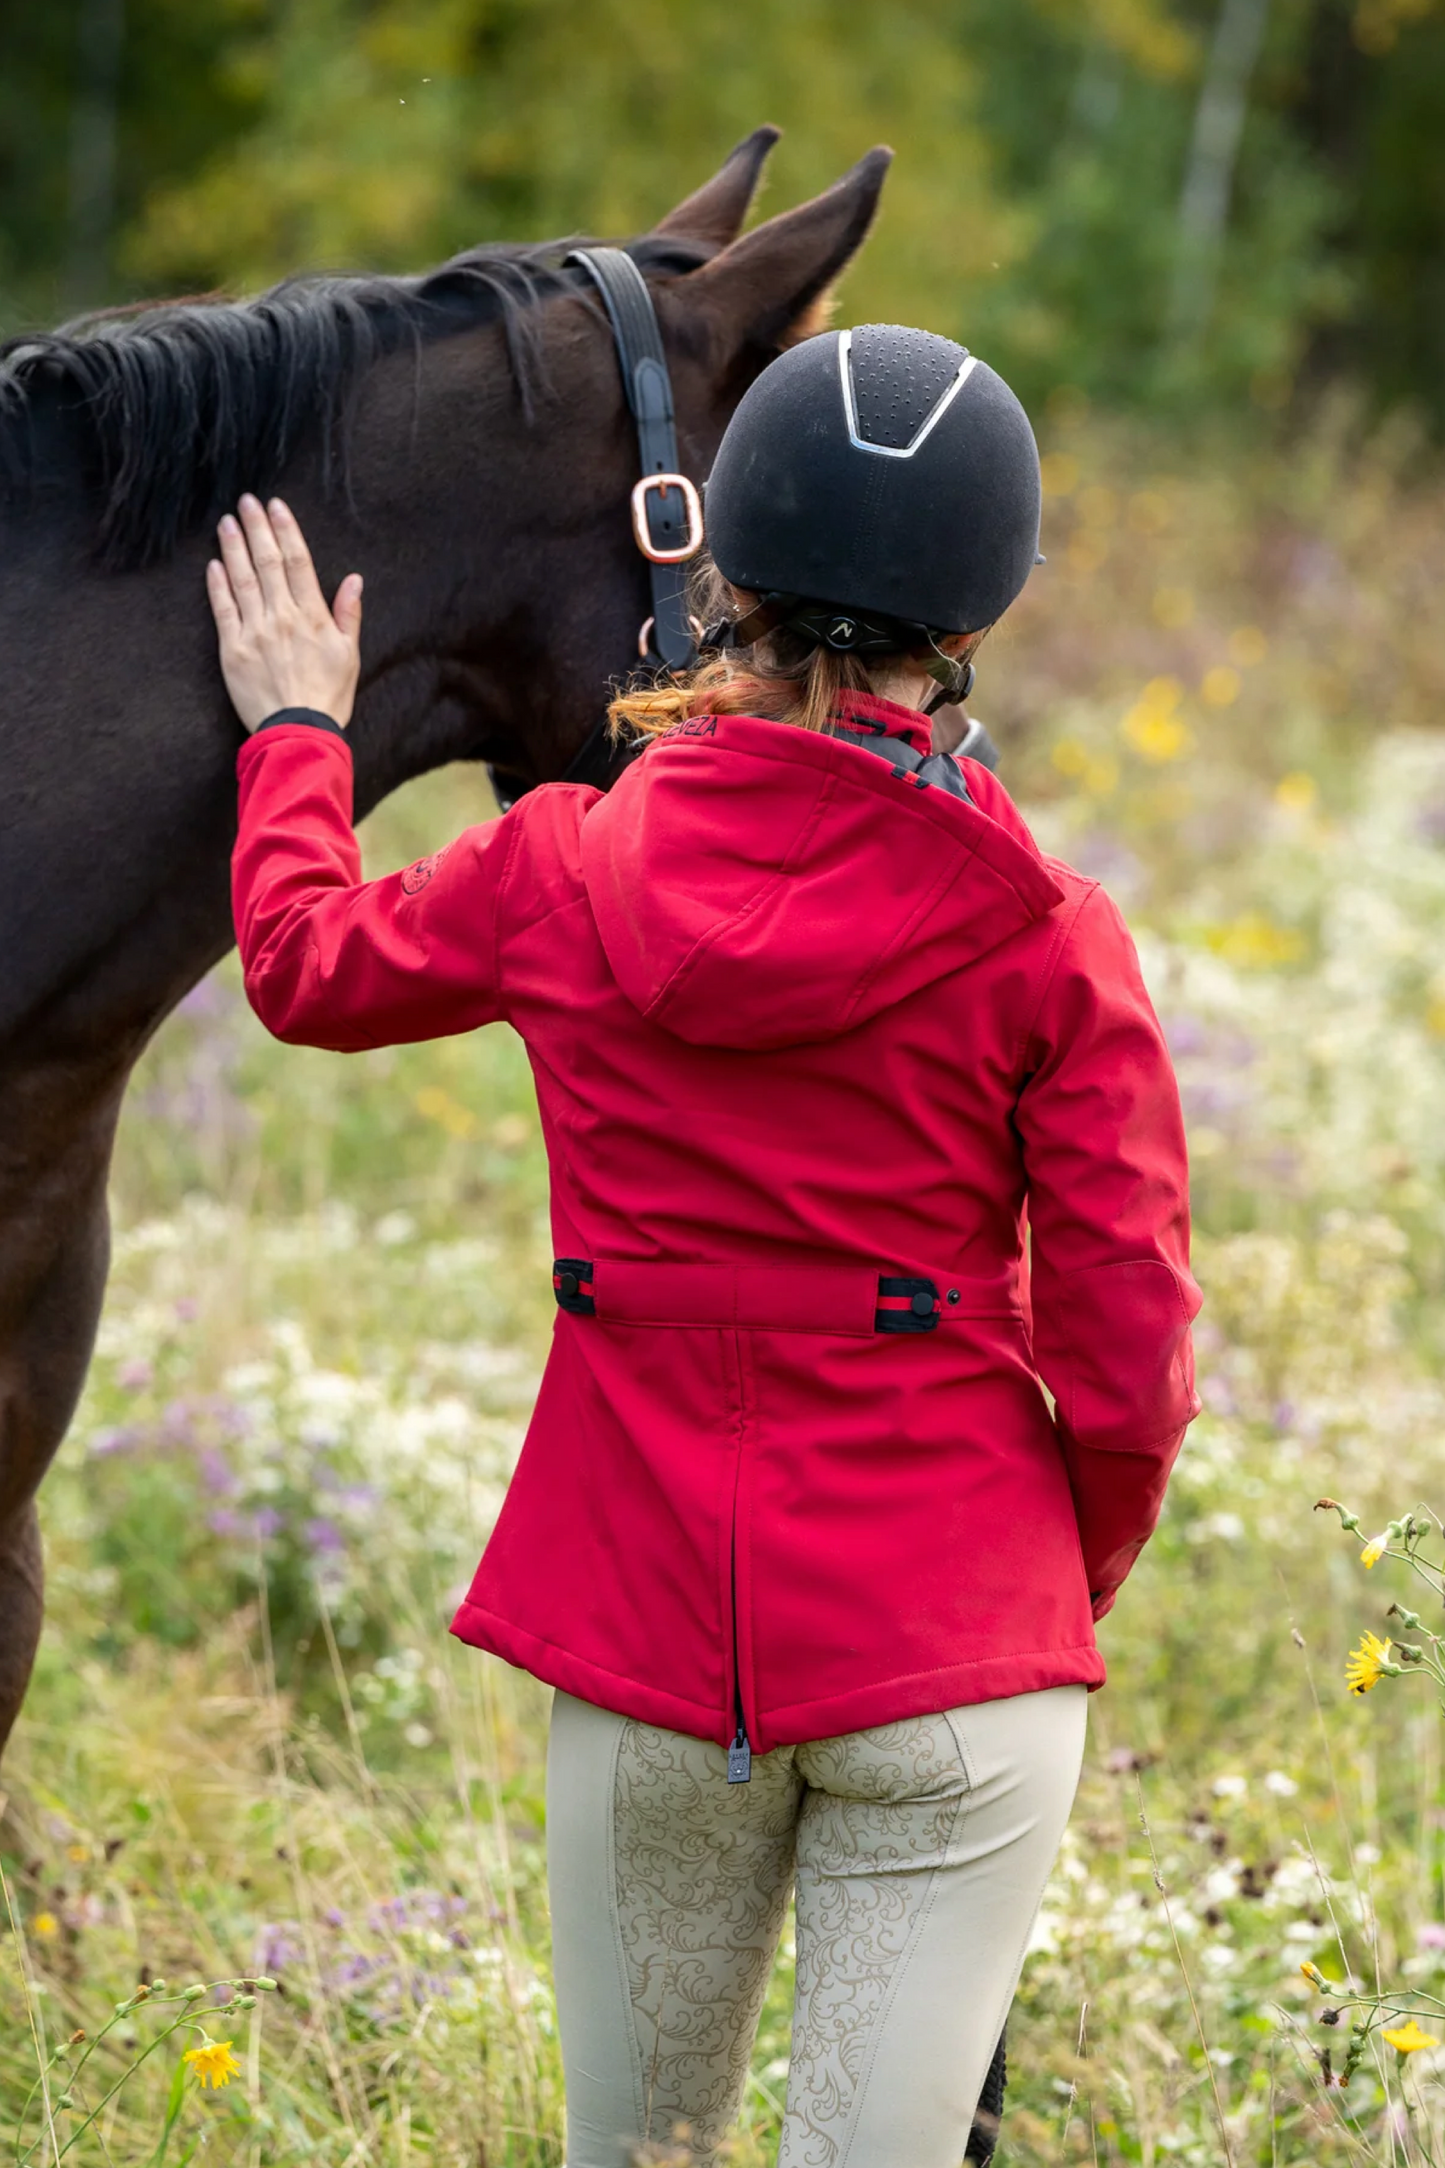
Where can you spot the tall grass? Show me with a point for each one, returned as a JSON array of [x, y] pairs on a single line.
[[250, 1747]]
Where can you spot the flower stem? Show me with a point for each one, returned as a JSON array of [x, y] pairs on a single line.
[[106, 2098], [1184, 1975]]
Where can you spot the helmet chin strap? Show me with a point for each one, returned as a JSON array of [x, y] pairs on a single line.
[[954, 675], [845, 632]]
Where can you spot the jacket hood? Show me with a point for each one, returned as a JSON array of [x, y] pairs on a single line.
[[759, 886]]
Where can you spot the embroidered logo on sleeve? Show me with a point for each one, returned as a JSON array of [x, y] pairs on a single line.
[[416, 877]]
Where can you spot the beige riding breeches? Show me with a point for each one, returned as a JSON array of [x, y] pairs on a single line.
[[919, 1851]]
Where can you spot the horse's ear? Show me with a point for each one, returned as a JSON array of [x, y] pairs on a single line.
[[716, 212], [772, 287]]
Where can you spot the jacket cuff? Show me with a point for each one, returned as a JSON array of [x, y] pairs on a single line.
[[313, 716]]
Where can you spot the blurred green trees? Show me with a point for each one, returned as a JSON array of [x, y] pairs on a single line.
[[1179, 203]]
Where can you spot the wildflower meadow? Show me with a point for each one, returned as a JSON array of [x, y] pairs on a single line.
[[272, 1849]]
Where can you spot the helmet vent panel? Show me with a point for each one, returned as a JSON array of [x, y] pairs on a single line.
[[899, 376]]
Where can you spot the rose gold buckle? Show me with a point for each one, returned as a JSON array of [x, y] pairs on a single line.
[[692, 504]]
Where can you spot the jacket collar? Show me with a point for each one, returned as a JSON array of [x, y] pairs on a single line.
[[866, 716]]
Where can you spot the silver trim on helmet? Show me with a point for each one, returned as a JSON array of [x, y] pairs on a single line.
[[931, 421]]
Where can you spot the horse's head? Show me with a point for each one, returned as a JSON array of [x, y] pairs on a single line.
[[511, 504]]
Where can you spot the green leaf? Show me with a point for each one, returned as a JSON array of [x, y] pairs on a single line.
[[174, 2105]]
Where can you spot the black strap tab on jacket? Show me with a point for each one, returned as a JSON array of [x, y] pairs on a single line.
[[572, 1285], [906, 1306], [903, 1305]]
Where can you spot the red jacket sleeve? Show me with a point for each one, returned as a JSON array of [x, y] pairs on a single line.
[[335, 961], [1108, 1186]]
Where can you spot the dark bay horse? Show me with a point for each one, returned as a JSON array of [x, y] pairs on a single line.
[[463, 439]]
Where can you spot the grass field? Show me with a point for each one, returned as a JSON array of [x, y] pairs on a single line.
[[251, 1749]]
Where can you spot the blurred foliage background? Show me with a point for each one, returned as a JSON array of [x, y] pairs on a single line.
[[1190, 204], [1206, 238]]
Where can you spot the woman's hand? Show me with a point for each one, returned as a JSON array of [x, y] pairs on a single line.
[[281, 647]]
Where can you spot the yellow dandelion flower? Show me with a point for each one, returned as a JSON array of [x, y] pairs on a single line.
[[1154, 727], [1296, 792], [1254, 942], [1407, 2038], [1374, 1550], [1219, 686], [1368, 1664], [1173, 607], [449, 1114], [1313, 1974], [46, 1924], [1060, 472], [212, 2062]]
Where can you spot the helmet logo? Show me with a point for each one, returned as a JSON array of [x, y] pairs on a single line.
[[842, 632]]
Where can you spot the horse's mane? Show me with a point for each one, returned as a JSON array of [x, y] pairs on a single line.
[[186, 404]]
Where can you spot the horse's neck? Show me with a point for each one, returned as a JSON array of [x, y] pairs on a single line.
[[486, 573], [117, 771]]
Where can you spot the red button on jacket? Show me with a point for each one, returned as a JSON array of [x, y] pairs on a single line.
[[797, 1024]]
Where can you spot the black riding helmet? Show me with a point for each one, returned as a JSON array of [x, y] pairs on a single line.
[[878, 489]]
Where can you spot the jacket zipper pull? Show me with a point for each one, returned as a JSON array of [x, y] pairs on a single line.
[[740, 1757]]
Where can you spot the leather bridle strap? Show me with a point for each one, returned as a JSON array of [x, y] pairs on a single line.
[[666, 516]]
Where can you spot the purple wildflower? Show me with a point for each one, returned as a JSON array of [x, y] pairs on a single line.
[[119, 1440], [257, 1527], [278, 1945], [1218, 1395], [216, 1472], [178, 1424], [1102, 857], [212, 998], [1186, 1033]]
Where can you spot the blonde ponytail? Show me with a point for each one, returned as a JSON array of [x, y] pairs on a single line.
[[799, 687]]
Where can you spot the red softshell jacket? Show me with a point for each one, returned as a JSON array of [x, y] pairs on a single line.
[[799, 1026]]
